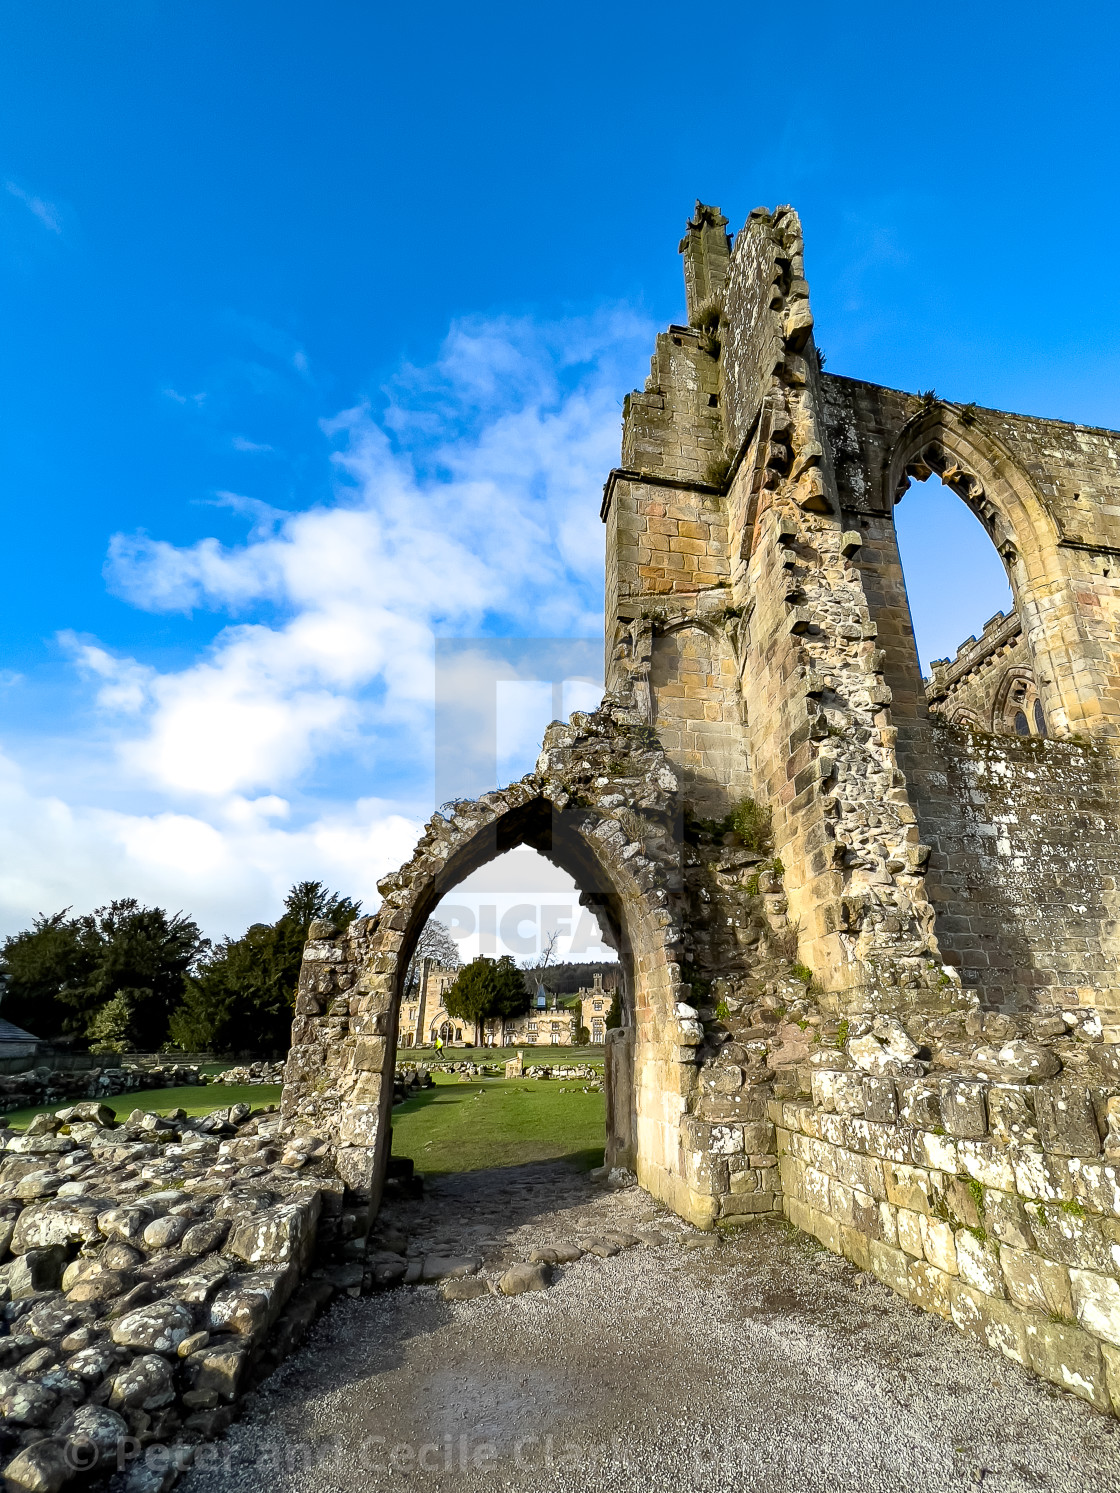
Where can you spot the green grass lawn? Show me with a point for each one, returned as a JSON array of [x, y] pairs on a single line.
[[463, 1127], [452, 1127], [197, 1099]]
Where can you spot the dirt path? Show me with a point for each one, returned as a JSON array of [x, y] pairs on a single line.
[[762, 1361]]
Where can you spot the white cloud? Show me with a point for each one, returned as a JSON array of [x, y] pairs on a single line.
[[227, 870], [468, 508], [46, 212]]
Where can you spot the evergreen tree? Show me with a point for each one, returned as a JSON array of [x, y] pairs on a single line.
[[485, 989], [614, 1015], [243, 996]]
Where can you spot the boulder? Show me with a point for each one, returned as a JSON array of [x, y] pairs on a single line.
[[93, 1434], [100, 1286], [36, 1270], [163, 1233], [93, 1363], [40, 1183], [1014, 1062], [464, 1288], [66, 1221], [445, 1267], [43, 1467], [251, 1303], [50, 1319], [126, 1224], [279, 1236], [521, 1278], [160, 1327], [145, 1384], [217, 1369], [23, 1402]]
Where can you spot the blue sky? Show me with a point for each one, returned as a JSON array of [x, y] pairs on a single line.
[[317, 322]]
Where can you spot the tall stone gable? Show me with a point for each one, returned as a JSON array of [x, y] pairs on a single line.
[[755, 603]]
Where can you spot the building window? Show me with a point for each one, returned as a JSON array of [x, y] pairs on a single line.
[[555, 1026], [598, 1005], [1021, 727], [556, 1039], [1039, 718], [532, 1028], [596, 1031]]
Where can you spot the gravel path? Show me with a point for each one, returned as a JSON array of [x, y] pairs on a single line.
[[682, 1364]]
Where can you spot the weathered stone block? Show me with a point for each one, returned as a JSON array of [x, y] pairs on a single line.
[[279, 1236], [1035, 1283], [939, 1244], [990, 1321], [978, 1262], [891, 1265], [1068, 1357], [1096, 1302], [964, 1109], [929, 1288], [839, 1093], [1066, 1120], [1011, 1115], [880, 1101], [909, 1226]]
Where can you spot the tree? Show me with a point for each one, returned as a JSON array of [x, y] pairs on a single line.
[[435, 942], [614, 1015], [242, 998], [63, 973], [41, 967], [583, 1037], [485, 989]]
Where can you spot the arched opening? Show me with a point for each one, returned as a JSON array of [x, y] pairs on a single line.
[[955, 580], [523, 907], [961, 564], [626, 863]]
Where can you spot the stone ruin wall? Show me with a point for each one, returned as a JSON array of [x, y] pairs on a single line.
[[895, 1017]]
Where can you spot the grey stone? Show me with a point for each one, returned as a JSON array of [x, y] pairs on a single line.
[[464, 1288], [25, 1403], [96, 1428], [70, 1221], [444, 1267], [37, 1270], [43, 1467], [145, 1384], [163, 1233], [202, 1238], [279, 1236], [160, 1327], [1066, 1120], [522, 1277]]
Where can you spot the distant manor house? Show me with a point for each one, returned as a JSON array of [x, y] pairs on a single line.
[[424, 1017]]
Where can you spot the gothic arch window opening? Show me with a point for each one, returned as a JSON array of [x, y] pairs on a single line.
[[956, 579]]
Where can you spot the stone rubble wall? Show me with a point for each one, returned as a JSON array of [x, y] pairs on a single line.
[[52, 1086], [150, 1271], [44, 1085]]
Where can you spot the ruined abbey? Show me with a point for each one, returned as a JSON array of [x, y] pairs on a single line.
[[867, 923]]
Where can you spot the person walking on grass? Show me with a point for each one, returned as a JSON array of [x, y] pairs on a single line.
[[439, 1043]]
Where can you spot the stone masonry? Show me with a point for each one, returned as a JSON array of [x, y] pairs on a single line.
[[867, 929]]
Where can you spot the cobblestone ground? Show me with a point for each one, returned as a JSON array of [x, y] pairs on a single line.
[[679, 1363]]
